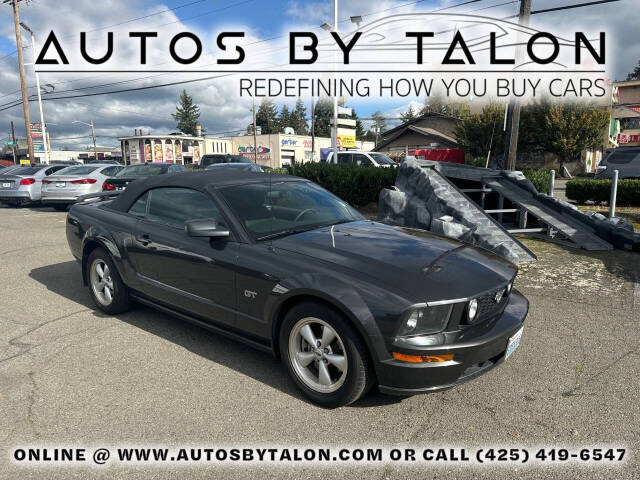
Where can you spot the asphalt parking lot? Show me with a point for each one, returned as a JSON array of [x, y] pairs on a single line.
[[72, 376]]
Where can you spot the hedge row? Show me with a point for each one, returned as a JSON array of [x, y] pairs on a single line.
[[582, 190], [539, 178], [359, 186]]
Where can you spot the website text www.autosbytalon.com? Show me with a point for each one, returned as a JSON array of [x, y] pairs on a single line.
[[278, 455]]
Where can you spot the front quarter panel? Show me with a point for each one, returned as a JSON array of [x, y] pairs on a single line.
[[370, 309]]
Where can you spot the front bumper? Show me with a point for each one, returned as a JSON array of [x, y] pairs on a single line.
[[471, 359]]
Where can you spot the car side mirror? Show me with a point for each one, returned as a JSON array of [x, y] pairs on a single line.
[[205, 228]]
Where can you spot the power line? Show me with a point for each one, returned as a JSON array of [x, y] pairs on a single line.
[[567, 7]]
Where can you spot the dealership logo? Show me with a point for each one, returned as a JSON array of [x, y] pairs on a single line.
[[470, 36]]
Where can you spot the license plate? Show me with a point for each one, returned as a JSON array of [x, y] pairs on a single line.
[[6, 185], [60, 185], [514, 342]]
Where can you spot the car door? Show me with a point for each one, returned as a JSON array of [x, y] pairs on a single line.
[[345, 158], [192, 274], [361, 160]]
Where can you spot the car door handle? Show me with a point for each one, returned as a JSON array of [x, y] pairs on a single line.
[[144, 239]]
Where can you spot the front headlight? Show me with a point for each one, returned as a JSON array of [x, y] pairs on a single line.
[[424, 320]]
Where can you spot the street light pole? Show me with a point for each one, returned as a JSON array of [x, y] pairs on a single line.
[[255, 134], [44, 128], [23, 82]]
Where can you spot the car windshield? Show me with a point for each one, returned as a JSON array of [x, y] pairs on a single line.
[[621, 157], [140, 170], [382, 159], [82, 170], [282, 208]]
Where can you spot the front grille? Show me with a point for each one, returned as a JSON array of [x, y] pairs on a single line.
[[487, 305]]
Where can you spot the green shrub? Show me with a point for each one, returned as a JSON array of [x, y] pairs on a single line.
[[539, 178], [476, 162], [359, 186], [583, 190]]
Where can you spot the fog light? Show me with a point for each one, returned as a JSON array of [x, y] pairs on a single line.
[[472, 309]]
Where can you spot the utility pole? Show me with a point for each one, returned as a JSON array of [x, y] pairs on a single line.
[[334, 135], [13, 147], [255, 134], [44, 127], [513, 115], [93, 135], [23, 82]]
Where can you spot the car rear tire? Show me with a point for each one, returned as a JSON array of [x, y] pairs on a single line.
[[108, 291], [337, 370]]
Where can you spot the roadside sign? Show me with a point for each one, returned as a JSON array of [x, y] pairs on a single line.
[[25, 162], [344, 111], [346, 137], [11, 144], [345, 121]]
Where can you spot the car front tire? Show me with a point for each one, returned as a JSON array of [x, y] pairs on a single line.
[[325, 355], [108, 291]]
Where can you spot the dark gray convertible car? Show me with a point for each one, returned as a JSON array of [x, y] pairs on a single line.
[[285, 266]]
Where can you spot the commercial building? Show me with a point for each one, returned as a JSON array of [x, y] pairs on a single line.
[[176, 148], [625, 123], [279, 149]]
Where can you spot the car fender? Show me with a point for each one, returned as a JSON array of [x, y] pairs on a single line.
[[334, 291], [95, 235]]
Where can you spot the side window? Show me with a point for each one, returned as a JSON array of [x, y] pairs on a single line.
[[360, 159], [174, 206], [139, 208], [344, 158], [110, 171], [176, 168]]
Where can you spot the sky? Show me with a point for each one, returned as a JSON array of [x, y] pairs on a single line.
[[264, 21]]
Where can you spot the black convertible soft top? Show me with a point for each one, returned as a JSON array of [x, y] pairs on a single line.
[[197, 180]]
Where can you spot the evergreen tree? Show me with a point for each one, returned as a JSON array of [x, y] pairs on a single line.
[[267, 117], [635, 73], [284, 119], [187, 114], [323, 115], [299, 119], [408, 115], [360, 133]]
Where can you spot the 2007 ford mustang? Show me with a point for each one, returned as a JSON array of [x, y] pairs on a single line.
[[281, 264]]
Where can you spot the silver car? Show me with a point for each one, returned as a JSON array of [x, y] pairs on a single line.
[[65, 186], [24, 184]]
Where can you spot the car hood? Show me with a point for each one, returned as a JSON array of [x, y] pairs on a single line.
[[417, 264]]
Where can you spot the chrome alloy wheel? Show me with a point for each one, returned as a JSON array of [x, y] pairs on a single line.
[[318, 355], [101, 282]]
